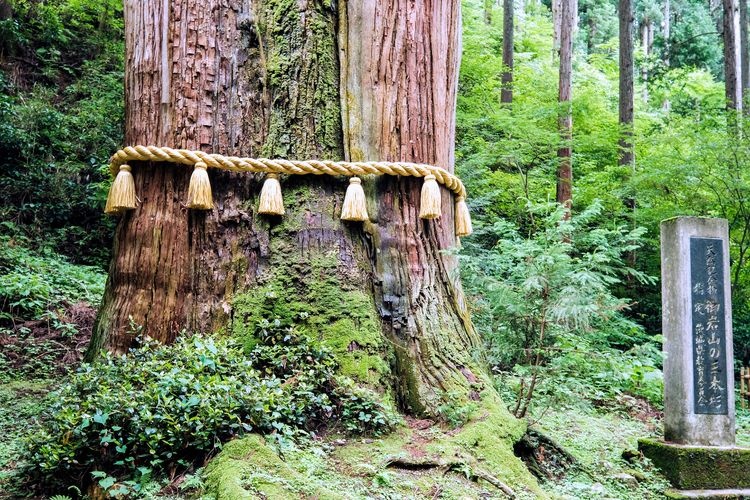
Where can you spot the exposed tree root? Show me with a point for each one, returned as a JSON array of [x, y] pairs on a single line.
[[466, 467], [545, 458]]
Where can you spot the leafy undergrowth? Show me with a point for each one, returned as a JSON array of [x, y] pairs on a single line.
[[48, 347], [603, 442], [21, 402], [162, 410], [47, 311], [742, 425]]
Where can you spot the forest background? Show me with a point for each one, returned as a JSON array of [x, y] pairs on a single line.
[[567, 306]]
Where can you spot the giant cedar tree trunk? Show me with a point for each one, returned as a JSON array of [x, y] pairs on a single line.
[[364, 80]]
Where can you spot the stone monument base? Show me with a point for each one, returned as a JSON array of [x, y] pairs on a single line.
[[695, 469], [707, 494]]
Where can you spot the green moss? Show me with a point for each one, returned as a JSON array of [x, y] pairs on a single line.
[[699, 467], [485, 444], [453, 463], [488, 438], [302, 75], [309, 294], [248, 467]]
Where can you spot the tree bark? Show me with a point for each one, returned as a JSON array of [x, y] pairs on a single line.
[[647, 42], [626, 103], [557, 21], [744, 56], [487, 7], [666, 30], [667, 35], [732, 71], [371, 80], [506, 92], [6, 10], [565, 121]]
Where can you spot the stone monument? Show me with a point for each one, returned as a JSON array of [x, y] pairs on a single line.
[[698, 451]]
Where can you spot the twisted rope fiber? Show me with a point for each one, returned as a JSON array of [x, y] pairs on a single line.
[[280, 166]]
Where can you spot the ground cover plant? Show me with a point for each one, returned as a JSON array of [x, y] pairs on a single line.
[[47, 310], [160, 410]]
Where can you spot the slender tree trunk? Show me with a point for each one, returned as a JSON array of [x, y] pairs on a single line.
[[744, 55], [6, 10], [667, 34], [626, 81], [488, 4], [565, 122], [666, 29], [506, 93], [556, 27], [732, 68], [647, 43], [626, 101], [265, 79], [593, 31]]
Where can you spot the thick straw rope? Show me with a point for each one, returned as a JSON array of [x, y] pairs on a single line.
[[278, 166], [122, 195]]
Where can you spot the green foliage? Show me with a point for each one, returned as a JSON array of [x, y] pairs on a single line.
[[694, 41], [58, 35], [456, 410], [60, 120], [557, 279], [46, 306], [21, 402], [36, 287], [546, 307], [688, 162], [128, 418]]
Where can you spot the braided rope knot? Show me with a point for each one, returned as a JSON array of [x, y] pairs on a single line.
[[122, 197]]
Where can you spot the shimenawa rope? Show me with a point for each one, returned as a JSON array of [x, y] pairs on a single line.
[[122, 194]]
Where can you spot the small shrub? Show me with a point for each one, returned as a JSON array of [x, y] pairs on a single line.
[[163, 408], [456, 410], [547, 299]]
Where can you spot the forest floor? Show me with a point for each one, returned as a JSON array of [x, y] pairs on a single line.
[[601, 440], [583, 450], [599, 460]]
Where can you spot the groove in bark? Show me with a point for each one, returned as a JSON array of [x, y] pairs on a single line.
[[263, 79]]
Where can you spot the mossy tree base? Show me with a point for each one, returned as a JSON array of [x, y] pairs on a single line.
[[699, 467], [418, 460]]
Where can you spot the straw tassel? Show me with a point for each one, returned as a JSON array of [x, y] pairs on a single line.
[[430, 203], [355, 203], [271, 201], [463, 219], [199, 191], [122, 193]]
